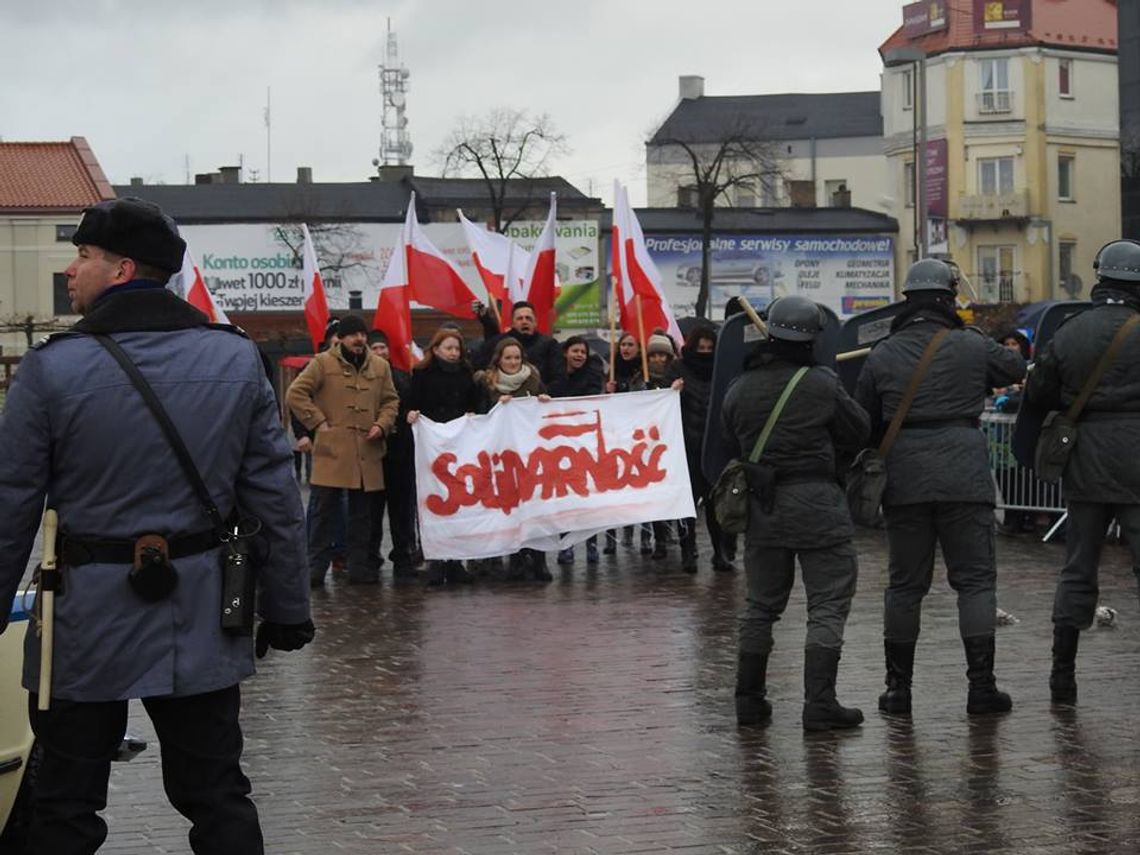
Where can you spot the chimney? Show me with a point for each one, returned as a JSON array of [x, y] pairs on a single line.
[[691, 86], [136, 181], [392, 173], [304, 175], [230, 174], [206, 178]]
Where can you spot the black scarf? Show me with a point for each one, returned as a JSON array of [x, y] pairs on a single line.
[[1115, 292], [775, 350], [624, 369], [701, 364], [356, 360], [147, 310]]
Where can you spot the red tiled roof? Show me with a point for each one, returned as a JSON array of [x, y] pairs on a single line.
[[50, 176], [1077, 24]]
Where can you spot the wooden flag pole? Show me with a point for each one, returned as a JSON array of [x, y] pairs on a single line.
[[641, 335], [613, 329]]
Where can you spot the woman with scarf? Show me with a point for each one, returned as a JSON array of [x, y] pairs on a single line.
[[443, 388], [627, 378], [660, 354], [694, 369], [510, 376], [585, 375]]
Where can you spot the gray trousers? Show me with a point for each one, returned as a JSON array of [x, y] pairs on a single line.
[[965, 531], [1074, 604], [829, 581]]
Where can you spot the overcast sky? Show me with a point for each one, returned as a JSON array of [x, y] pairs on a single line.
[[154, 84]]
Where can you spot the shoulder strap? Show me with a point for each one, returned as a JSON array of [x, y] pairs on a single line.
[[1102, 366], [171, 432], [911, 390], [762, 440]]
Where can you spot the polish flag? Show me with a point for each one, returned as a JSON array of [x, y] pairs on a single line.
[[640, 276], [431, 277], [196, 293], [541, 279], [501, 264], [313, 291], [394, 310]]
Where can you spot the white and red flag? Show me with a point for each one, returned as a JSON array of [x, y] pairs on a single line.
[[501, 264], [540, 281], [432, 278], [196, 293], [637, 275], [313, 291], [394, 306]]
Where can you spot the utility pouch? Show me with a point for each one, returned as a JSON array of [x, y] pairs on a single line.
[[1055, 443], [237, 588], [761, 479], [152, 576]]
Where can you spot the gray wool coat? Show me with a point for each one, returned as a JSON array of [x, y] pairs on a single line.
[[76, 433]]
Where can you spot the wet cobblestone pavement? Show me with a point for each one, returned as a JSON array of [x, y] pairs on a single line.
[[594, 714]]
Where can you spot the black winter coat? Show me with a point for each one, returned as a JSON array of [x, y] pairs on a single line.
[[819, 423], [443, 395], [939, 455], [590, 379], [1104, 465], [695, 395]]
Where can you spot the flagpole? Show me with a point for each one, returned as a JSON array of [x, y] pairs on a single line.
[[641, 335], [613, 330]]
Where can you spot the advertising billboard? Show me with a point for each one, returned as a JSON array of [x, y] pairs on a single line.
[[847, 273], [990, 15], [924, 17]]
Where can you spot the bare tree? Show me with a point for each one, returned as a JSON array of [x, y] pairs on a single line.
[[340, 247], [502, 146], [741, 158]]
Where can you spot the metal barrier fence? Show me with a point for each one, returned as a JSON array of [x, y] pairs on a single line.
[[1018, 489]]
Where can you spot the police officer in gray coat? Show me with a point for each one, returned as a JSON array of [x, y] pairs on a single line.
[[939, 486], [798, 510], [1102, 475], [76, 432]]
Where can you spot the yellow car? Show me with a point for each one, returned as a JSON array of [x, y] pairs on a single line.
[[15, 731]]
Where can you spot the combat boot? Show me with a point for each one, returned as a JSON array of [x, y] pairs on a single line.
[[752, 706], [1063, 678], [821, 710], [899, 656], [984, 697]]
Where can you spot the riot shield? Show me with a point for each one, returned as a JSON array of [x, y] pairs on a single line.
[[858, 333], [1023, 442], [734, 344]]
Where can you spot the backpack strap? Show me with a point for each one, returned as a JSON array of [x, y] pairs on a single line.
[[762, 440]]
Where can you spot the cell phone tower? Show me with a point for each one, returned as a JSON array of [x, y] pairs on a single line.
[[395, 143]]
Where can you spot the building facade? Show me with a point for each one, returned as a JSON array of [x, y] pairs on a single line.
[[818, 150], [1022, 140], [1129, 69], [44, 187]]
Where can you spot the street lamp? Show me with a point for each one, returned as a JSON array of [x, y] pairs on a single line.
[[916, 57]]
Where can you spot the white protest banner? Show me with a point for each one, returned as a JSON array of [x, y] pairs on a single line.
[[529, 472]]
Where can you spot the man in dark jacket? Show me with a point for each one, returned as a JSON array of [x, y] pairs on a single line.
[[399, 475], [1102, 476], [939, 486], [800, 511], [151, 632], [542, 351]]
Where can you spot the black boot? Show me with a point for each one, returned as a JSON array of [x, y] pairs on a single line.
[[1063, 679], [435, 573], [456, 574], [752, 706], [899, 656], [821, 710], [984, 695]]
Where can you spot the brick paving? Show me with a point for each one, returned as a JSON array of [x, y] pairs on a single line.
[[594, 715]]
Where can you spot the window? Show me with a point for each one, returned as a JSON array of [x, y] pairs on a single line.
[[836, 193], [769, 190], [745, 196], [995, 175], [1065, 167], [994, 95], [61, 303], [63, 234], [687, 196], [908, 183], [1065, 78], [908, 89], [996, 273], [1069, 281]]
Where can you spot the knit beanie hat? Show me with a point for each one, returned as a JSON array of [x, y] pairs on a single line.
[[350, 324], [660, 344]]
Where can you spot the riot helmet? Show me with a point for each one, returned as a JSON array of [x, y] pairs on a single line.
[[1118, 260], [932, 276], [794, 318]]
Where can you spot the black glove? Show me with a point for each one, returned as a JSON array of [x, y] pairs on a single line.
[[283, 636]]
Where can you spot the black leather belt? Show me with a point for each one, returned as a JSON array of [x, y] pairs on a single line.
[[75, 551], [1108, 415], [934, 424]]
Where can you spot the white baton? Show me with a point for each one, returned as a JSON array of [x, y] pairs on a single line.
[[47, 606]]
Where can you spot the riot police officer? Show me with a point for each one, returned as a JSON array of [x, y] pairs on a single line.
[[939, 486], [797, 510], [1102, 474], [78, 432]]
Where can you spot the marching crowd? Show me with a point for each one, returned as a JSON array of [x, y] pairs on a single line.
[[352, 412]]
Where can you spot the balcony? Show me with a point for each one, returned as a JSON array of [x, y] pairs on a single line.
[[995, 102], [994, 207]]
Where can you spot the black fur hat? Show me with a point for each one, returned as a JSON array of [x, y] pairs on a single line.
[[133, 228]]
